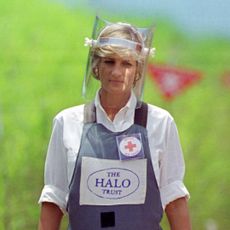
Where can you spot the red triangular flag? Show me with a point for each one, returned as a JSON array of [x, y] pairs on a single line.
[[172, 80]]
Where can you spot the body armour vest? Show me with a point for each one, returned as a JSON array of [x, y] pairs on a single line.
[[113, 184]]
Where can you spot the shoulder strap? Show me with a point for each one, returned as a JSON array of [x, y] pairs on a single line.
[[89, 113], [141, 113], [140, 117]]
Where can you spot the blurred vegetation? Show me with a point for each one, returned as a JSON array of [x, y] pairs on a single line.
[[42, 64]]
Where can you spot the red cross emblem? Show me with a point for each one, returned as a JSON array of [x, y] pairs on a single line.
[[130, 146]]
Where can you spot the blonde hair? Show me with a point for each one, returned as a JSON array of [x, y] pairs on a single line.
[[121, 31]]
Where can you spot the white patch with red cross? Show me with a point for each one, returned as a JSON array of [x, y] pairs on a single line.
[[130, 146]]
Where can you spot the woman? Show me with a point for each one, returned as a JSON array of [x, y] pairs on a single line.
[[117, 162]]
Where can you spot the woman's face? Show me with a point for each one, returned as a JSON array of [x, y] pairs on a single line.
[[117, 74]]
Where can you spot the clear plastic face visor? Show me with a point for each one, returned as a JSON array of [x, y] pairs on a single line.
[[141, 51]]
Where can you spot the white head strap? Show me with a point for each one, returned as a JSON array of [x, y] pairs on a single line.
[[105, 41]]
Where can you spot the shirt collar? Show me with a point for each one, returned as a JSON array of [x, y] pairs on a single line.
[[131, 104]]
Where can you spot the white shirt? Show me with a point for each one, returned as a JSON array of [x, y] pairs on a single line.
[[166, 153]]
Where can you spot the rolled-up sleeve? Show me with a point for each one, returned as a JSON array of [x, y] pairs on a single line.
[[172, 168], [55, 189]]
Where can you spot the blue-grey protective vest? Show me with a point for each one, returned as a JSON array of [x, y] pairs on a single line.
[[99, 142]]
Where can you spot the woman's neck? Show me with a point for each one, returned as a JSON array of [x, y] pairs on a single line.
[[112, 103]]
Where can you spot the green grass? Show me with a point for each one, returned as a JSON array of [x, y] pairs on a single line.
[[42, 64]]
